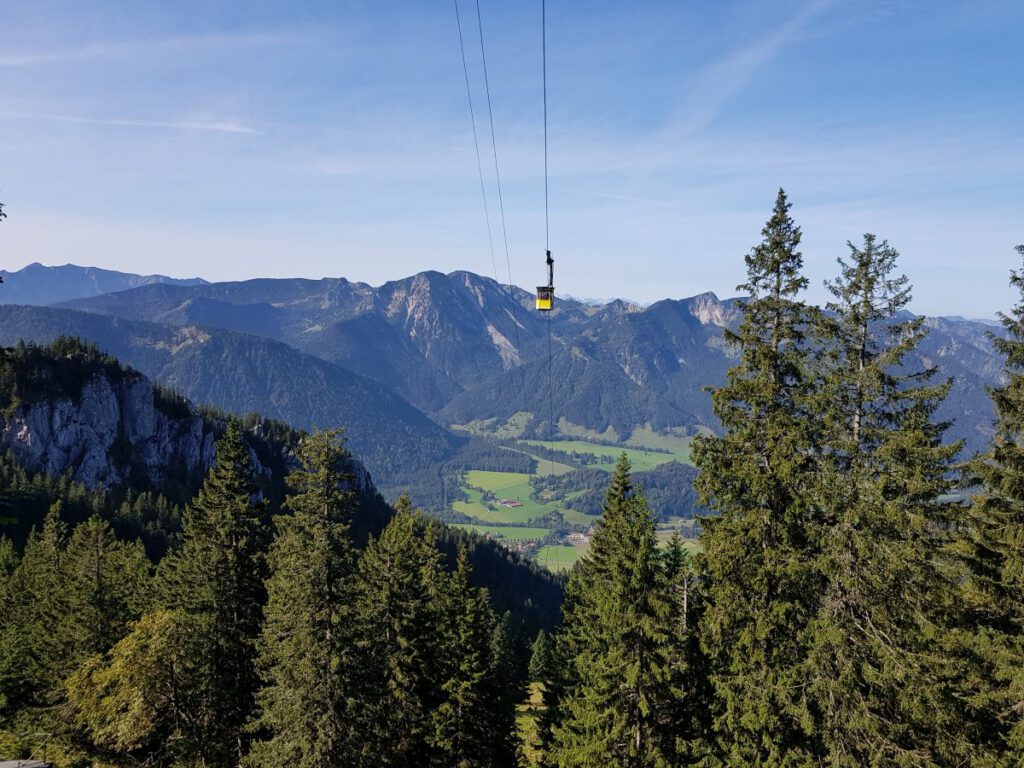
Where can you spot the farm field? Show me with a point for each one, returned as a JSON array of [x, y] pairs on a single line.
[[508, 532], [484, 490], [557, 557], [641, 459], [504, 485]]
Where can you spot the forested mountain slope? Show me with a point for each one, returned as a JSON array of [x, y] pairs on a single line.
[[79, 427], [244, 373]]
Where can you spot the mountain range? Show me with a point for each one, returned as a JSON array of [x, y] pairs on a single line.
[[403, 363]]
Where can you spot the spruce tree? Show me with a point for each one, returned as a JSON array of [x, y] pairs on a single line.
[[106, 581], [33, 656], [508, 689], [540, 657], [307, 716], [992, 547], [875, 676], [400, 584], [757, 570], [686, 723], [214, 580], [467, 723], [615, 637]]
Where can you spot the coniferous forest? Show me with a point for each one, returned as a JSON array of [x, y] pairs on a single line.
[[857, 599]]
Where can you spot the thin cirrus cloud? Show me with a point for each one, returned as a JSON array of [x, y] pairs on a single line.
[[719, 82], [220, 126], [113, 49]]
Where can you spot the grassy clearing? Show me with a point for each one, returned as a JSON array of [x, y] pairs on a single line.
[[514, 426], [641, 459], [575, 517], [692, 546], [559, 557], [566, 427], [679, 445], [507, 532], [545, 467]]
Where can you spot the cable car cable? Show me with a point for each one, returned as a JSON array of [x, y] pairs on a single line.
[[501, 202], [483, 186], [547, 221], [476, 141]]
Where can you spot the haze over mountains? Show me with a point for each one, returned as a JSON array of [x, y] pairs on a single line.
[[38, 284], [400, 364]]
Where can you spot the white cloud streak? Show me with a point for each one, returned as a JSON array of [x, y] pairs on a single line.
[[220, 126], [112, 49], [719, 82]]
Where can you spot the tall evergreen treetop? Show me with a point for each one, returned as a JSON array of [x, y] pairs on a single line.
[[215, 580], [307, 650], [874, 676], [400, 582], [757, 571], [614, 707], [994, 547]]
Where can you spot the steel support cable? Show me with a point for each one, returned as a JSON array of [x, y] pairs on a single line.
[[547, 225], [501, 207], [476, 141]]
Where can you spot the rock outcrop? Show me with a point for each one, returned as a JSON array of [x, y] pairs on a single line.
[[120, 427], [115, 428]]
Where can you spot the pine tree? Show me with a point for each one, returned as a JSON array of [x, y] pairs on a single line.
[[11, 646], [106, 582], [400, 578], [466, 731], [32, 655], [686, 715], [308, 645], [215, 582], [992, 548], [874, 676], [757, 569], [615, 637], [540, 657], [507, 690]]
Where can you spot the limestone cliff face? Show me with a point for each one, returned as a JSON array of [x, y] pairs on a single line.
[[114, 428], [119, 426]]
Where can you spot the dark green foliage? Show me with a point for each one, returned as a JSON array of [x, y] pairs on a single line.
[[215, 580], [876, 679], [31, 657], [758, 571], [616, 640], [307, 651], [29, 372], [65, 600], [541, 657], [992, 550], [106, 584], [401, 579], [687, 722], [472, 725], [668, 488]]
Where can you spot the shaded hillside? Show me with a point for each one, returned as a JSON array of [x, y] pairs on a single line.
[[243, 373]]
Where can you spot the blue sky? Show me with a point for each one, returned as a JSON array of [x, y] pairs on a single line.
[[233, 140]]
